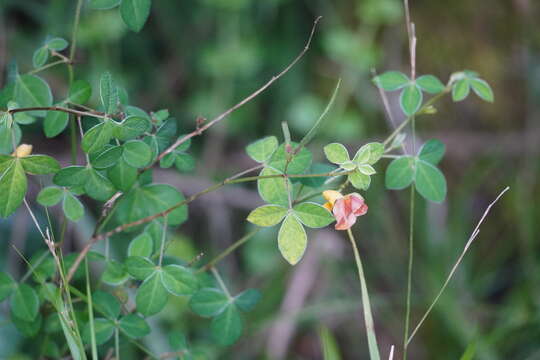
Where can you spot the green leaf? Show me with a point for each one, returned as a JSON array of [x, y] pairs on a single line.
[[369, 153], [313, 215], [7, 285], [391, 80], [329, 345], [430, 84], [149, 200], [247, 299], [360, 180], [57, 44], [13, 186], [32, 91], [115, 273], [103, 4], [137, 153], [7, 138], [184, 162], [122, 175], [142, 245], [106, 304], [72, 207], [139, 267], [432, 151], [166, 134], [106, 158], [460, 90], [267, 215], [79, 92], [227, 327], [40, 164], [482, 89], [152, 296], [292, 240], [108, 92], [177, 341], [55, 122], [134, 326], [103, 330], [28, 328], [336, 153], [97, 186], [430, 182], [298, 164], [366, 169], [410, 99], [273, 190], [208, 302], [50, 196], [262, 149], [40, 57], [97, 137], [400, 173], [71, 176], [131, 128], [135, 13], [178, 280], [25, 303]]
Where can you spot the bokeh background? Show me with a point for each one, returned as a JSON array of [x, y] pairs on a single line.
[[197, 58]]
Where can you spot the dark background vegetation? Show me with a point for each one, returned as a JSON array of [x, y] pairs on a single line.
[[197, 58]]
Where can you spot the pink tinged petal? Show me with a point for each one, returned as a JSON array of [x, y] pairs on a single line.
[[343, 213], [358, 204]]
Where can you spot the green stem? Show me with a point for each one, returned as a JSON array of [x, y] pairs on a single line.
[[117, 343], [163, 238], [90, 313], [409, 272], [401, 126], [228, 250], [45, 67], [368, 317], [221, 283], [75, 28]]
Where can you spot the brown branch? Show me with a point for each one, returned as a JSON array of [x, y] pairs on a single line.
[[201, 129], [231, 180], [58, 108]]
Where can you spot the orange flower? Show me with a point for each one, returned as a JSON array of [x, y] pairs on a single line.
[[345, 208]]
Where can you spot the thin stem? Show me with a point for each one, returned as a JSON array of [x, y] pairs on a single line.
[[424, 107], [90, 314], [75, 28], [95, 114], [368, 317], [221, 283], [117, 343], [193, 197], [228, 250], [473, 236], [246, 100], [409, 271], [163, 238], [45, 67]]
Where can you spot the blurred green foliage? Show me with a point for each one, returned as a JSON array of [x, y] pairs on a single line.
[[199, 58]]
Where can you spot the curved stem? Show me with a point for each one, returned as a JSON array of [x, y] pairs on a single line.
[[368, 317], [45, 67]]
